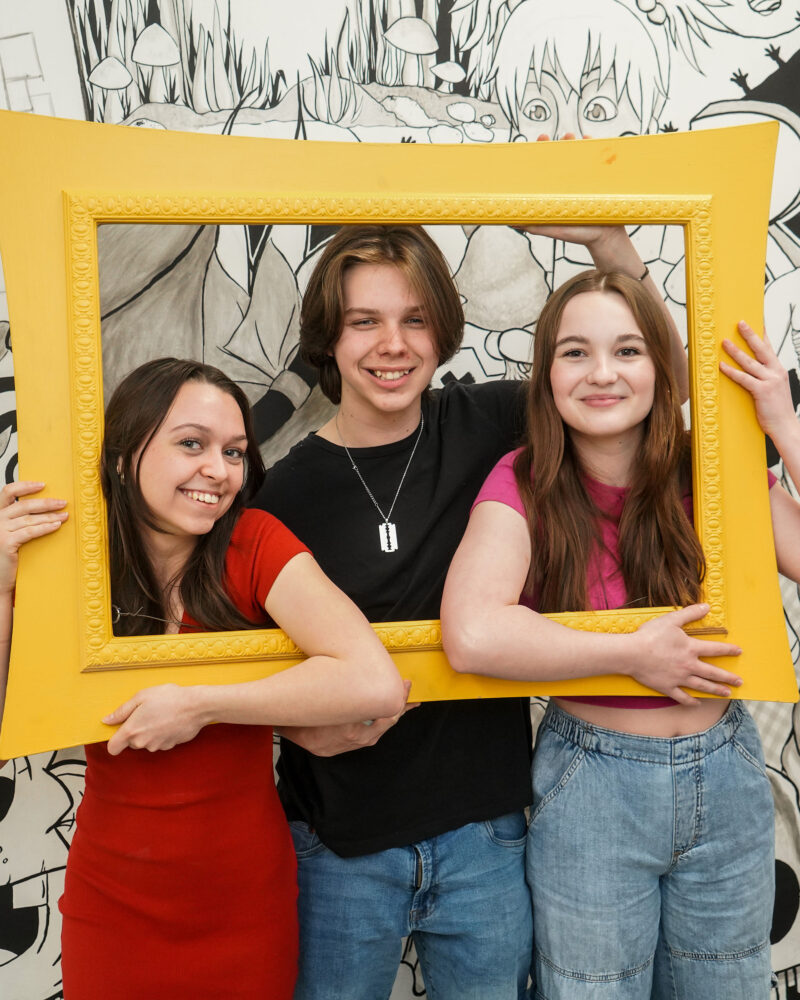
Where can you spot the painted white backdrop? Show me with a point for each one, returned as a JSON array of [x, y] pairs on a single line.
[[392, 71]]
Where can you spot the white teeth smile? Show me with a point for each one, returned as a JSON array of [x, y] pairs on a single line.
[[211, 498], [389, 376]]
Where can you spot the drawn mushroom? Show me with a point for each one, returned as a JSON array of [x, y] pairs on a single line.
[[448, 73], [155, 49], [111, 76], [415, 37]]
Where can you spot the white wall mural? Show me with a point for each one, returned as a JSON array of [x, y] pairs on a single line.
[[455, 71]]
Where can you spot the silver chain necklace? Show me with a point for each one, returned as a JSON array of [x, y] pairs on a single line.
[[117, 613], [387, 531]]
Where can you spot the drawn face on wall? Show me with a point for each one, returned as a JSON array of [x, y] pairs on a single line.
[[748, 18], [551, 107], [38, 796]]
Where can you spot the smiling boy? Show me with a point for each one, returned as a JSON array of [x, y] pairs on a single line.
[[413, 825]]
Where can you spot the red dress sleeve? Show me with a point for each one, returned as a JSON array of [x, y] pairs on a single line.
[[260, 547]]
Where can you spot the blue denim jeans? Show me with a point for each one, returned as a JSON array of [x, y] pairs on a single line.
[[651, 863], [461, 895]]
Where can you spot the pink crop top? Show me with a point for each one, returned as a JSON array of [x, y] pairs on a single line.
[[606, 586]]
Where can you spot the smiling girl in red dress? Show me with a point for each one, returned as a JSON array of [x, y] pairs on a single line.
[[181, 877]]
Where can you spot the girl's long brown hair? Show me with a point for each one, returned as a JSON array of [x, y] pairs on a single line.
[[660, 556], [136, 410]]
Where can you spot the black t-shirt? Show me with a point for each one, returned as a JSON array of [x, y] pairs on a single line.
[[445, 763]]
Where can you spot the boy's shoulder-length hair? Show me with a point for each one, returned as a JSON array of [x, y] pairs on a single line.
[[414, 253]]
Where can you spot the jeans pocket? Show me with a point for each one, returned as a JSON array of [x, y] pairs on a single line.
[[756, 761], [747, 743], [554, 763], [509, 830], [306, 841]]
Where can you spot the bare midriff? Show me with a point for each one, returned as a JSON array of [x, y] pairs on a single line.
[[673, 720]]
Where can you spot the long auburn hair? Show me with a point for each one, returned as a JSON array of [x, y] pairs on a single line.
[[134, 414], [660, 556]]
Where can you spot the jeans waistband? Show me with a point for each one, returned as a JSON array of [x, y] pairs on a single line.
[[656, 749]]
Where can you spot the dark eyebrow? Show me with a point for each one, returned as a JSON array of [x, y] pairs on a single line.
[[573, 338], [376, 312], [204, 429]]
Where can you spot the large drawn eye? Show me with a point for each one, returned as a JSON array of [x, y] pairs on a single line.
[[537, 110], [600, 109]]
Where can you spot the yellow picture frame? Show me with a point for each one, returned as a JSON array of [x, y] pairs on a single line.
[[60, 179]]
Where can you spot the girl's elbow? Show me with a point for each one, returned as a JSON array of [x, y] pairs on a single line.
[[393, 696], [384, 691], [463, 648]]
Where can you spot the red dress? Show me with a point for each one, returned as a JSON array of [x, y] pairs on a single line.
[[181, 879]]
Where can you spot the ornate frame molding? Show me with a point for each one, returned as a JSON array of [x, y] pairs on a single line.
[[85, 211]]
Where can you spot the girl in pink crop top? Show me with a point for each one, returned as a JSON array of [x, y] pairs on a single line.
[[606, 471]]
